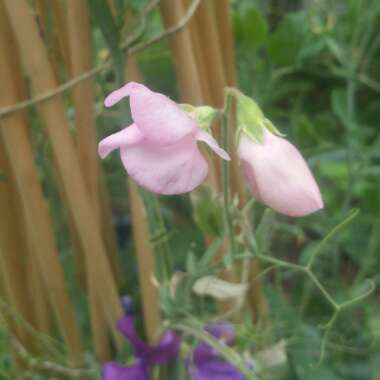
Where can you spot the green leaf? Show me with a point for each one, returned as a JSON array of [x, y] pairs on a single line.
[[207, 211], [103, 16], [285, 44], [339, 106], [251, 28], [265, 229], [211, 251]]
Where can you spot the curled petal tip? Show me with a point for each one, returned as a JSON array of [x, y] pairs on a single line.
[[115, 96]]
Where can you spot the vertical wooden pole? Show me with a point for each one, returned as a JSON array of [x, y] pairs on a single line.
[[14, 134], [212, 56], [13, 252], [226, 38], [77, 197], [255, 298], [78, 25], [188, 73], [184, 60], [144, 252], [83, 96]]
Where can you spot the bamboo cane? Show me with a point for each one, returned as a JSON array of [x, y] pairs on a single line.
[[185, 66], [83, 97], [144, 252], [188, 73], [77, 198], [13, 251], [255, 297], [226, 40], [18, 148], [212, 59], [78, 25]]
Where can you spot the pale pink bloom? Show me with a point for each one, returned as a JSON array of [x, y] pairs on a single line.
[[159, 150], [278, 176]]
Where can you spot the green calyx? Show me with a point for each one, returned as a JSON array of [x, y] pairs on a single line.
[[204, 115], [251, 120]]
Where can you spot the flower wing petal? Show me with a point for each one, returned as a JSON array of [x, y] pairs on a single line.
[[115, 371], [171, 169], [126, 136], [166, 349], [212, 143], [214, 369]]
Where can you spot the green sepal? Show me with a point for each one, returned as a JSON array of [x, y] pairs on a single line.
[[250, 119], [204, 115], [271, 128]]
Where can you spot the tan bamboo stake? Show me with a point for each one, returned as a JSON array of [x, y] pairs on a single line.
[[78, 25], [212, 58], [186, 68], [83, 96], [38, 293], [184, 61], [18, 148], [62, 29], [13, 251], [198, 54], [226, 38], [255, 297], [143, 248], [77, 198]]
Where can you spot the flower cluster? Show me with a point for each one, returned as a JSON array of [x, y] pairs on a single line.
[[160, 152], [203, 363]]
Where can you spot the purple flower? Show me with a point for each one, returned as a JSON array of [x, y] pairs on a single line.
[[146, 356], [206, 364], [127, 304]]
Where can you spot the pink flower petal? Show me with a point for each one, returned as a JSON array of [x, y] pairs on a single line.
[[126, 136], [278, 176], [115, 96], [171, 169], [159, 118], [212, 143]]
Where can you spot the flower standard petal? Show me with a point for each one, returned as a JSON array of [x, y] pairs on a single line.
[[168, 169], [158, 117], [119, 94], [126, 326], [115, 371], [278, 176], [126, 136]]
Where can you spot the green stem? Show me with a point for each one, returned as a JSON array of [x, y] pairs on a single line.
[[350, 217], [157, 230], [226, 175], [318, 284]]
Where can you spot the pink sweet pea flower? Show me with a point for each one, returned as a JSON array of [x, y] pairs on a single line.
[[278, 176], [159, 150]]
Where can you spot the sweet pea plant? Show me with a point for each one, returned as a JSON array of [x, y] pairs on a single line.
[[161, 152]]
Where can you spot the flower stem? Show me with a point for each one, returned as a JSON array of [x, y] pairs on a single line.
[[226, 175]]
